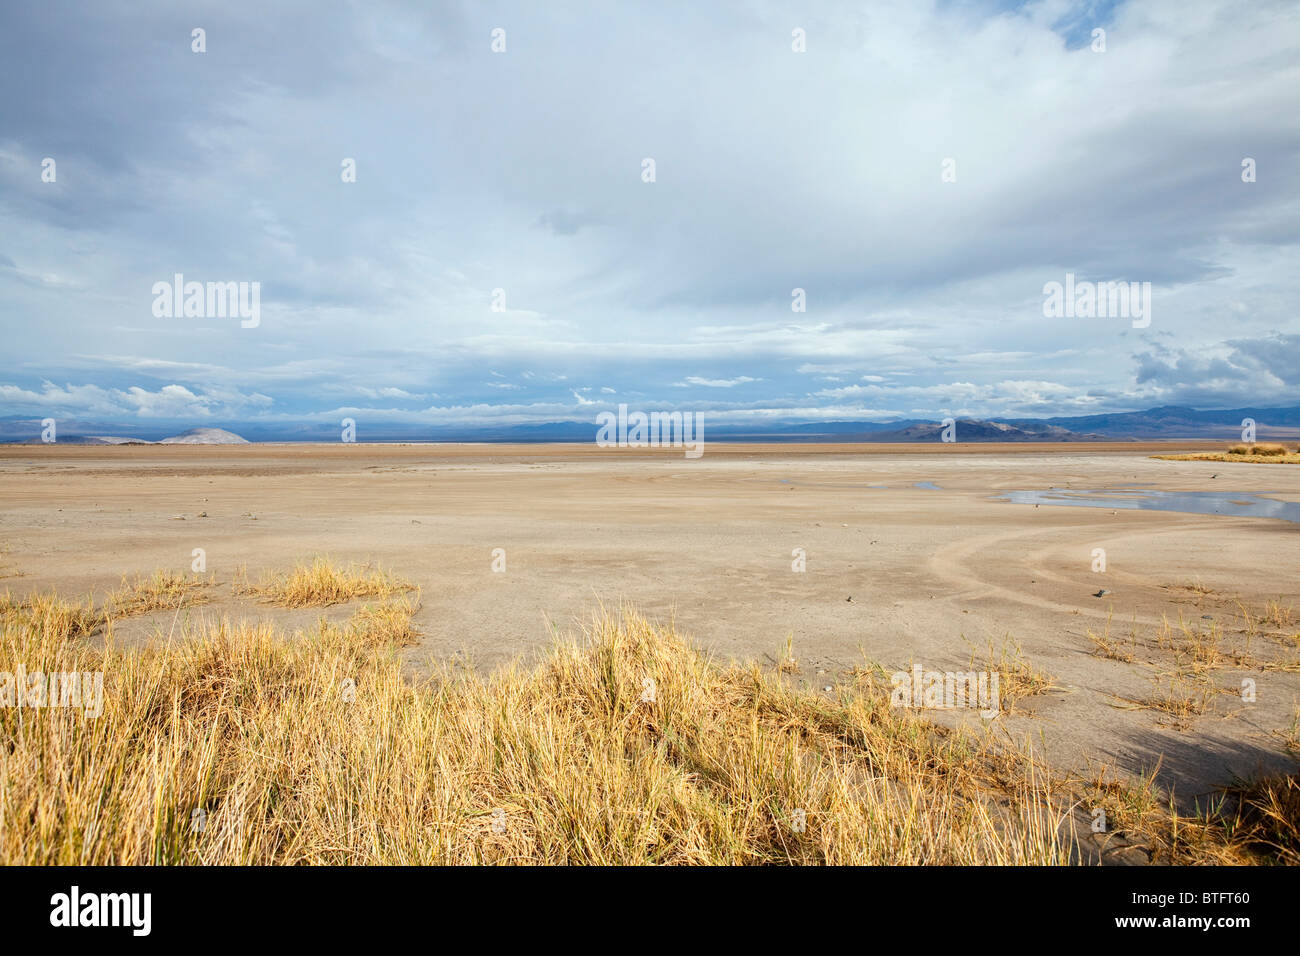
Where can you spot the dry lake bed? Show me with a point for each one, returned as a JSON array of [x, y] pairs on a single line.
[[925, 555]]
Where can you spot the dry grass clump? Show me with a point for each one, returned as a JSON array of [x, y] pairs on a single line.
[[164, 591], [627, 745], [1115, 648], [1018, 678], [54, 618], [323, 583], [1260, 448], [1189, 652], [1180, 700], [1278, 622], [387, 623], [1263, 452], [1198, 649], [1252, 822], [1268, 816]]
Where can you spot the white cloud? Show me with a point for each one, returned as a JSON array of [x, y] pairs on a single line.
[[380, 293], [715, 382]]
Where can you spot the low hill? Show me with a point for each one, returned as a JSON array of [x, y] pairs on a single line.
[[205, 436]]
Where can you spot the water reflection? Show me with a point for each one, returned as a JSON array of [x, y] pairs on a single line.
[[1190, 502]]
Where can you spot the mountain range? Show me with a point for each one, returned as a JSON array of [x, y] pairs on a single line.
[[195, 436], [1164, 422]]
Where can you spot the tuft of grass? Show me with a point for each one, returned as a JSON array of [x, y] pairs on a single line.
[[387, 623], [1291, 736], [55, 619], [1017, 677], [1115, 648], [1268, 816], [788, 664], [322, 583], [1179, 699], [1279, 616], [164, 591], [1263, 449]]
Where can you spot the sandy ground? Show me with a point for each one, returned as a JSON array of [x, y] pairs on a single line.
[[895, 574]]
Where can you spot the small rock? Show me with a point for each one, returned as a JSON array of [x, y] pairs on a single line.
[[203, 514], [849, 598], [1207, 617]]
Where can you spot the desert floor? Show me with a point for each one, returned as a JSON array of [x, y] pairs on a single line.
[[894, 574]]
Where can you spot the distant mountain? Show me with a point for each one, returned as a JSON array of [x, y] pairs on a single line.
[[83, 440], [971, 429], [195, 436], [1177, 421], [1169, 421], [205, 436]]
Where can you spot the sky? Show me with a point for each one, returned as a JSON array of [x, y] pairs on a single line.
[[920, 170]]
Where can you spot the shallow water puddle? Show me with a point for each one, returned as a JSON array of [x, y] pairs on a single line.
[[1189, 502]]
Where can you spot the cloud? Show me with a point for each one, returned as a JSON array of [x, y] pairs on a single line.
[[174, 402], [715, 382], [775, 171]]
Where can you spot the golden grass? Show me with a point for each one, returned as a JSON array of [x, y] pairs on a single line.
[[1267, 817], [1252, 822], [1179, 699], [164, 591], [788, 663], [387, 623], [1018, 678], [317, 750], [51, 615], [233, 745], [1115, 648], [1260, 453], [1194, 649], [322, 583]]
